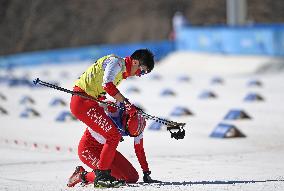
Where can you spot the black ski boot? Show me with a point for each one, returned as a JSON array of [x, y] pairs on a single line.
[[105, 180]]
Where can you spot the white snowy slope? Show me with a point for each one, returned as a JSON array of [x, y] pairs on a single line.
[[39, 153]]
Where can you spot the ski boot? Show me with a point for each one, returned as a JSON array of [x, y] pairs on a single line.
[[78, 176], [105, 180]]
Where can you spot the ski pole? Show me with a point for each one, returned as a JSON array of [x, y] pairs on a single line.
[[171, 125]]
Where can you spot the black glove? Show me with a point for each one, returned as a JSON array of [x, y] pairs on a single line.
[[147, 178]]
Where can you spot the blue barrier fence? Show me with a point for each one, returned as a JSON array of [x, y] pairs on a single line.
[[89, 53], [257, 40]]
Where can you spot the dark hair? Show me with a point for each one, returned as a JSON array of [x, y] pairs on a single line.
[[145, 57]]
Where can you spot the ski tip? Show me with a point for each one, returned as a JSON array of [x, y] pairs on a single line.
[[36, 81]]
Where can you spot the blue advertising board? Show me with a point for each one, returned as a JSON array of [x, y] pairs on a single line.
[[89, 53], [253, 40]]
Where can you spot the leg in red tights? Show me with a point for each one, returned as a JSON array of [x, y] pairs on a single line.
[[89, 151], [94, 116]]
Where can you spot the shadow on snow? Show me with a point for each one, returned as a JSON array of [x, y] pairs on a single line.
[[216, 182]]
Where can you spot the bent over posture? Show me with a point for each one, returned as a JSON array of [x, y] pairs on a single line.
[[106, 126]]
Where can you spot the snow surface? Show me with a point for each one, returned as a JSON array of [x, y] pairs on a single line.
[[45, 154]]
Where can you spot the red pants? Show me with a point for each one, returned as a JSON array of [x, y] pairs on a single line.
[[94, 154], [89, 151]]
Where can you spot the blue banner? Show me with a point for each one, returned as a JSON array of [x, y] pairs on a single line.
[[89, 53], [253, 40]]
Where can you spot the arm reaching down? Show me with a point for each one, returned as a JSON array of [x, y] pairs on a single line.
[[139, 150]]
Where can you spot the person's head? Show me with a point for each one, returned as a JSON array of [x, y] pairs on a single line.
[[142, 62], [134, 125]]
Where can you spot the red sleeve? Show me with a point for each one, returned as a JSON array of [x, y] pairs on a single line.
[[139, 150], [111, 89]]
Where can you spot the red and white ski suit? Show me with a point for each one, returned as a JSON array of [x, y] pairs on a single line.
[[97, 148]]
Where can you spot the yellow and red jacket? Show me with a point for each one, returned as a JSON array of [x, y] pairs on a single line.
[[103, 76]]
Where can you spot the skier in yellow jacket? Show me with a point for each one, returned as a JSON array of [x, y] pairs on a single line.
[[97, 148]]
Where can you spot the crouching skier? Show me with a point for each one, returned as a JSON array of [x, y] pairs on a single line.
[[97, 148], [121, 170]]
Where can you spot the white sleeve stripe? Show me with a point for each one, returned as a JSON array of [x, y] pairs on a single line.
[[112, 67], [137, 139]]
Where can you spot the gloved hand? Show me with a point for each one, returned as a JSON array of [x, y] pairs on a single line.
[[130, 108], [147, 178]]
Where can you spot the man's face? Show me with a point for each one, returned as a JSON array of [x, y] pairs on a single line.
[[137, 69]]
